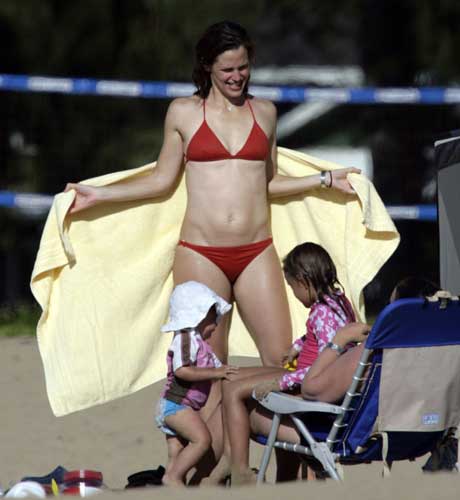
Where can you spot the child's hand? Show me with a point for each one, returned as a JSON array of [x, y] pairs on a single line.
[[227, 372], [261, 390], [289, 357]]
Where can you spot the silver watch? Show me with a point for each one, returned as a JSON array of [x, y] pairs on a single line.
[[322, 179], [339, 350]]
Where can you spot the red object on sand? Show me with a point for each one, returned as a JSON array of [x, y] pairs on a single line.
[[89, 477]]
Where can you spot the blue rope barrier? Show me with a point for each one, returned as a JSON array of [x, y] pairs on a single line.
[[165, 90], [39, 204]]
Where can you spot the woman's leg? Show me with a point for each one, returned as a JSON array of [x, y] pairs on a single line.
[[288, 464], [261, 422], [260, 293], [190, 265]]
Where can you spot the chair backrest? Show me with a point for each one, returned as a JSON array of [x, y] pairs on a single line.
[[416, 323], [412, 363]]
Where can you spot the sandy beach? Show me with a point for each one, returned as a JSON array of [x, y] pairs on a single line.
[[119, 438]]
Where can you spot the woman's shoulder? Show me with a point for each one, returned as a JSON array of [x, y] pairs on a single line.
[[184, 105], [263, 106]]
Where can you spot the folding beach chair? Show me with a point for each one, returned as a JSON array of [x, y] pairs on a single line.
[[404, 396]]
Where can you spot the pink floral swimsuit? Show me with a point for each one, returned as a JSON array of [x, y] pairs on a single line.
[[322, 325]]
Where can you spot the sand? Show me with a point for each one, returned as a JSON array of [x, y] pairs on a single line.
[[119, 438]]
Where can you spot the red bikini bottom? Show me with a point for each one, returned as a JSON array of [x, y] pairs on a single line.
[[232, 261]]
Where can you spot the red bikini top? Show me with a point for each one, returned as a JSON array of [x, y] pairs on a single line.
[[206, 146]]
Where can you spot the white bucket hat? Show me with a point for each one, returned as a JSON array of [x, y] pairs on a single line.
[[189, 304]]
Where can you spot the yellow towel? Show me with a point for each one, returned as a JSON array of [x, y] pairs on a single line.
[[103, 278]]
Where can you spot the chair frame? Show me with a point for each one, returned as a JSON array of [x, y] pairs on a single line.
[[283, 404]]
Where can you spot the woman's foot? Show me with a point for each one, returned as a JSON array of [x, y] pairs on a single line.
[[219, 474]]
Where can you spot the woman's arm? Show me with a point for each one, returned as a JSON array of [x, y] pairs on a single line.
[[157, 183], [283, 185], [330, 375]]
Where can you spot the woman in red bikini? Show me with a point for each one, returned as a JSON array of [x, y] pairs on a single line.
[[225, 140]]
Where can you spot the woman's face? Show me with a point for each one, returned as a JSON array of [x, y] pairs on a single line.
[[303, 291], [230, 72]]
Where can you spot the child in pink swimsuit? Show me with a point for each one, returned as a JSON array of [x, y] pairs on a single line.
[[312, 276], [192, 367]]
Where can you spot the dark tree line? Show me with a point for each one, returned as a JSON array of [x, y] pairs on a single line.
[[49, 139]]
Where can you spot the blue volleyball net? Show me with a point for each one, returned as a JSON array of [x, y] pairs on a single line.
[[168, 90], [37, 205]]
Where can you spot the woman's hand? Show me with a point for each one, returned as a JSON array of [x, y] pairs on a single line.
[[339, 179], [85, 197], [353, 332]]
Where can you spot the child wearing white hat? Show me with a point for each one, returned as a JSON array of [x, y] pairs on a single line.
[[192, 367]]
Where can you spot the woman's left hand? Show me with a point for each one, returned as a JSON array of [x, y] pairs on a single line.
[[339, 179]]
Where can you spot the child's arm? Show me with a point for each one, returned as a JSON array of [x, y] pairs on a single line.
[[288, 381], [323, 323], [197, 374], [294, 350]]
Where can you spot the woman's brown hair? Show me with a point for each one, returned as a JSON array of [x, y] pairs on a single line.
[[218, 38]]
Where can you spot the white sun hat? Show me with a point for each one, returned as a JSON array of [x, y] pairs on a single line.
[[189, 304]]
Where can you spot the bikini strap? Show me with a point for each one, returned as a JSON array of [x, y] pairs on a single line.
[[252, 112]]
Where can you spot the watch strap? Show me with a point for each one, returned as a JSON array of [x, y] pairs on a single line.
[[339, 350]]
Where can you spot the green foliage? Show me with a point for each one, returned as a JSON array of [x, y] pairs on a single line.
[[68, 138], [18, 320]]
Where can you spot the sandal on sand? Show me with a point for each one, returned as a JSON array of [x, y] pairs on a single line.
[[57, 474]]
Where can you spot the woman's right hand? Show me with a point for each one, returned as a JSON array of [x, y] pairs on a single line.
[[353, 332], [85, 197]]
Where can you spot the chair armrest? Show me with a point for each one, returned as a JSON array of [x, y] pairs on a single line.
[[278, 402]]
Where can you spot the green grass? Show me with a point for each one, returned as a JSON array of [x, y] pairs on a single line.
[[22, 320], [18, 320]]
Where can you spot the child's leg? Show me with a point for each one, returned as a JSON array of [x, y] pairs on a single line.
[[222, 469], [236, 397], [175, 445], [189, 425]]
